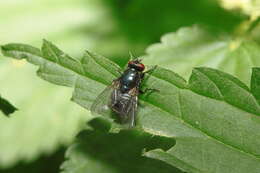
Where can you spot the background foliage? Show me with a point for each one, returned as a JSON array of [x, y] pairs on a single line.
[[226, 36]]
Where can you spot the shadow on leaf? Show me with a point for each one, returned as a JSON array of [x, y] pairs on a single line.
[[121, 152]]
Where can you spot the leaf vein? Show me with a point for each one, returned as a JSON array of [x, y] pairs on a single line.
[[203, 132]]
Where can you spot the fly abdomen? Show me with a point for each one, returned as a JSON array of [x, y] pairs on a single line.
[[120, 102]]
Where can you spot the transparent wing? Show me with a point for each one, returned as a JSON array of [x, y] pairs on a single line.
[[131, 114], [101, 105], [125, 105], [114, 104]]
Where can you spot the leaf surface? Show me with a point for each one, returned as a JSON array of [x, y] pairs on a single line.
[[255, 83], [191, 47], [213, 113], [43, 122], [98, 151]]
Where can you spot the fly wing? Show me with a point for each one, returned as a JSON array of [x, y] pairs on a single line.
[[114, 104], [102, 103], [126, 106], [131, 114]]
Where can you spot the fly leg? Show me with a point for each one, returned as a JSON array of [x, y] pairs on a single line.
[[119, 72], [131, 56], [151, 69], [148, 72], [148, 90], [114, 100]]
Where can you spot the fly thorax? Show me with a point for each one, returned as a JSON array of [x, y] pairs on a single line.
[[129, 80]]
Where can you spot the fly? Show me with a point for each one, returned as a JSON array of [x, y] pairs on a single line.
[[121, 97]]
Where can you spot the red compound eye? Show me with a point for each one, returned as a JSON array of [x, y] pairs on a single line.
[[131, 62], [141, 66], [136, 65]]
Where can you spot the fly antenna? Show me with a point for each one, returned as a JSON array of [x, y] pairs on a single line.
[[140, 59], [132, 57]]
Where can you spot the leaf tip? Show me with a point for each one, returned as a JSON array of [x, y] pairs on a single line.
[[88, 53], [3, 49], [45, 40]]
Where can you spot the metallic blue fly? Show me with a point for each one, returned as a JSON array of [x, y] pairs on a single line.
[[121, 97]]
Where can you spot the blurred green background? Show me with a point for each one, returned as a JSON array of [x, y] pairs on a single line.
[[47, 122]]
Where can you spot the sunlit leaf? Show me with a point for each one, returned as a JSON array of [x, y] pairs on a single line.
[[204, 121], [255, 83], [193, 46], [250, 7], [45, 121]]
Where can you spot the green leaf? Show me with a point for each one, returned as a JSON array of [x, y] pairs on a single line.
[[193, 46], [255, 83], [77, 23], [203, 121], [248, 7], [6, 107], [46, 119], [99, 151], [222, 86]]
